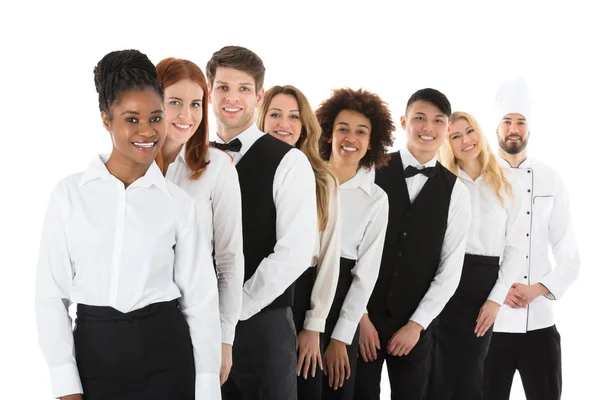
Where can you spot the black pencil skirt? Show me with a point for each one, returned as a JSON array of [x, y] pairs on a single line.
[[144, 354], [458, 354]]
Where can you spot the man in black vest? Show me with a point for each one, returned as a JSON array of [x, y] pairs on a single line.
[[429, 217], [279, 219]]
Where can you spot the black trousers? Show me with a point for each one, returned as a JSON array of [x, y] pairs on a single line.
[[346, 392], [408, 374], [317, 388], [145, 354], [264, 358], [458, 355], [537, 357]]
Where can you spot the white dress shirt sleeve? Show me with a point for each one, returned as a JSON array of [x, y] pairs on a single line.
[[53, 280], [229, 252], [447, 277], [515, 248], [195, 277], [294, 193], [328, 266], [364, 273], [564, 246]]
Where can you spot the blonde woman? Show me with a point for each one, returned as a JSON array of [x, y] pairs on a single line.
[[494, 257], [286, 114]]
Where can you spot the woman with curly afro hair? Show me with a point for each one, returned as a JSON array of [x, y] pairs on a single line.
[[356, 129]]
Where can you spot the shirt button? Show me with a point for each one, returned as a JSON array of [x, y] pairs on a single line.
[[528, 235], [526, 256], [525, 277], [396, 273], [528, 171], [404, 234], [528, 212], [391, 294], [528, 190], [408, 214]]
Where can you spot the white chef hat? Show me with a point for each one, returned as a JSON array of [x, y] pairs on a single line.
[[512, 97]]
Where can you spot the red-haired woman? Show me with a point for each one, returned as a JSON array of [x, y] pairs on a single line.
[[210, 177]]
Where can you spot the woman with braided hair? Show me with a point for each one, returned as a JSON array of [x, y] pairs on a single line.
[[119, 240]]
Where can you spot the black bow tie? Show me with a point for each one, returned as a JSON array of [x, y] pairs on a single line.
[[412, 171], [234, 145]]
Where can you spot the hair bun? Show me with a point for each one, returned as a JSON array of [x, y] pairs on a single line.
[[121, 61], [121, 70]]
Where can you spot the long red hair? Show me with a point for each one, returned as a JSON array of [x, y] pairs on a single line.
[[170, 71]]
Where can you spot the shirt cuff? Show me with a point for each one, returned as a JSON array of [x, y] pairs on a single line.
[[421, 318], [498, 293], [249, 307], [65, 380], [552, 289], [314, 324], [208, 387], [344, 331], [550, 295], [227, 333]]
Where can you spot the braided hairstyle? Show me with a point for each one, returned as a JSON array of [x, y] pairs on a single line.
[[120, 71]]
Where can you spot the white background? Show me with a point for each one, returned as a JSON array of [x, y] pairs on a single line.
[[52, 126]]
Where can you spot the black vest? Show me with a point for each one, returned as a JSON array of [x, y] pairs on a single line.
[[256, 172], [413, 242]]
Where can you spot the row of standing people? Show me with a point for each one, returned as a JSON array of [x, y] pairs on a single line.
[[397, 258]]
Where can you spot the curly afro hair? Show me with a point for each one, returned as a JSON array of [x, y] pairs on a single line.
[[371, 106]]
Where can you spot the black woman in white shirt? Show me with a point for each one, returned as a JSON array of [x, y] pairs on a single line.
[[494, 257], [286, 114], [209, 176], [120, 241], [356, 131]]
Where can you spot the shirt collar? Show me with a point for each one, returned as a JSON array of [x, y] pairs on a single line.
[[364, 179], [181, 154], [409, 159], [247, 137], [97, 170], [525, 164], [465, 177]]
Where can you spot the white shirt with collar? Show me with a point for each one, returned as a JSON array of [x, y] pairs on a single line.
[[364, 215], [546, 205], [217, 194], [326, 257], [497, 229], [104, 245], [452, 256], [294, 195]]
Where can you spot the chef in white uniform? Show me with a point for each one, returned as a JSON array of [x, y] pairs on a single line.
[[525, 337]]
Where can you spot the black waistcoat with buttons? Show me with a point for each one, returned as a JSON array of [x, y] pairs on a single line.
[[413, 241], [256, 173]]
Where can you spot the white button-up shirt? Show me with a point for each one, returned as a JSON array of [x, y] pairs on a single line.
[[497, 229], [104, 245], [327, 260], [546, 205], [364, 210], [219, 187]]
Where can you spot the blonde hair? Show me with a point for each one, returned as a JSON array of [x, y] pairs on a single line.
[[308, 143], [491, 171]]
